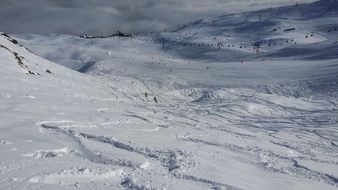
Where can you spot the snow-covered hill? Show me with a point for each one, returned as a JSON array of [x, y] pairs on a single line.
[[198, 107]]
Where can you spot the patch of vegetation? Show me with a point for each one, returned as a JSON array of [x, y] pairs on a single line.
[[19, 59]]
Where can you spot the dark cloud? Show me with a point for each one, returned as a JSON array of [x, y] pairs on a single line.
[[105, 16]]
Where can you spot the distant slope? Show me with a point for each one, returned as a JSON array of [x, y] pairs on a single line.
[[306, 31], [292, 44]]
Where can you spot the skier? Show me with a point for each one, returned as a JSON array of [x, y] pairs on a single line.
[[257, 49]]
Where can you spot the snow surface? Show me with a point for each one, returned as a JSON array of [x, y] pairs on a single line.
[[225, 118]]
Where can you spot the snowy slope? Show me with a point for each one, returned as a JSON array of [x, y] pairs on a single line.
[[269, 122], [31, 104]]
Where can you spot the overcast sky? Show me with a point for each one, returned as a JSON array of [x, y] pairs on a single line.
[[102, 17]]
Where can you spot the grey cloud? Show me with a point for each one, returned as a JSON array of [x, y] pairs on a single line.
[[106, 16]]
